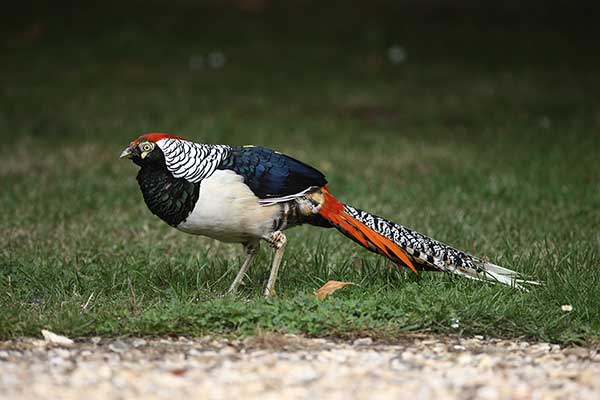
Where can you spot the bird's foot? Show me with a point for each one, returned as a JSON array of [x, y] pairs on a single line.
[[276, 240]]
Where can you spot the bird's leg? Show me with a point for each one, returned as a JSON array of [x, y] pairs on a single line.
[[277, 240], [251, 252]]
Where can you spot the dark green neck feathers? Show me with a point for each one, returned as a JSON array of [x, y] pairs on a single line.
[[171, 199]]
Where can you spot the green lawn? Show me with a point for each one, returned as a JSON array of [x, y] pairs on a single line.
[[486, 137]]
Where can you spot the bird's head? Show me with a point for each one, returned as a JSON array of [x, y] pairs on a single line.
[[145, 149]]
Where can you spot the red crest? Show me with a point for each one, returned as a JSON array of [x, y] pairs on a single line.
[[155, 137]]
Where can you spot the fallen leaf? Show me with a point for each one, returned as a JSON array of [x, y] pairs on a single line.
[[53, 338], [330, 287]]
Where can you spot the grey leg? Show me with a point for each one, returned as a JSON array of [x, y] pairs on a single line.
[[251, 251], [277, 240]]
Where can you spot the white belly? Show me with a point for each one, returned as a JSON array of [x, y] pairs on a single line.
[[227, 210]]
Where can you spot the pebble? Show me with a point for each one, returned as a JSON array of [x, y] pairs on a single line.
[[577, 351], [227, 351], [367, 341], [294, 367], [96, 339], [138, 342], [118, 346], [488, 393], [60, 353], [398, 365], [303, 376]]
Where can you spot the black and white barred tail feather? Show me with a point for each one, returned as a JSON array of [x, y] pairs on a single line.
[[422, 251], [428, 252]]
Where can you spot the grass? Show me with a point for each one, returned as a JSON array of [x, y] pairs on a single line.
[[485, 138]]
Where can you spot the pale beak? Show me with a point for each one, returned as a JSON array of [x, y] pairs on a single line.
[[126, 153]]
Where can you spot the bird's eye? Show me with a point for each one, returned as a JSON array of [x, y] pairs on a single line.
[[146, 147]]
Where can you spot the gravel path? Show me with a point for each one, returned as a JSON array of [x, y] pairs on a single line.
[[277, 367]]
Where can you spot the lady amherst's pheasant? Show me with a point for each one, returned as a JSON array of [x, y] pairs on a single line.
[[245, 194]]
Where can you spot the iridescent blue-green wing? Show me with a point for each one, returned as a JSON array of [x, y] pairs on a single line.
[[270, 174]]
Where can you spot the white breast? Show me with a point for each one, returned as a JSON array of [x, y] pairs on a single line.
[[227, 210]]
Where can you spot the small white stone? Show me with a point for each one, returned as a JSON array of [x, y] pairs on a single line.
[[118, 346], [398, 365], [366, 341], [464, 359], [56, 360], [303, 375], [486, 362], [580, 352], [195, 352], [119, 382], [228, 351], [488, 393], [61, 353]]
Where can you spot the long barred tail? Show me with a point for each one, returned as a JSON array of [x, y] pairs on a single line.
[[406, 247]]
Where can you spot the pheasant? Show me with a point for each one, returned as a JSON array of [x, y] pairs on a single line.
[[246, 194]]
